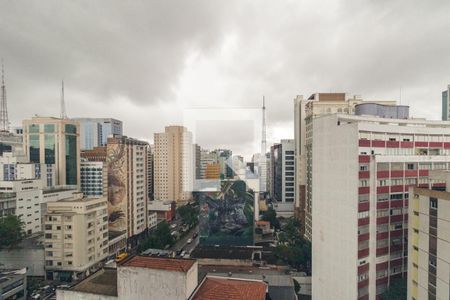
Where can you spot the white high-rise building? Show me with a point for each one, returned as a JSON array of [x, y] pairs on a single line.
[[305, 111], [362, 168], [174, 165]]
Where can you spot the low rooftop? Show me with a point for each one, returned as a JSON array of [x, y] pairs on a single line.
[[224, 252], [217, 288], [168, 264], [103, 282]]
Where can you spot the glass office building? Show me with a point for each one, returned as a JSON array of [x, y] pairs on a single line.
[[54, 141]]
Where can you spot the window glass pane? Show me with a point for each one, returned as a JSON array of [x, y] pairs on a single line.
[[71, 159], [34, 148], [49, 149], [33, 128], [49, 128], [70, 128]]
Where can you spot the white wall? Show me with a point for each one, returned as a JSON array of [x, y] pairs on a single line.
[[134, 282], [334, 210]]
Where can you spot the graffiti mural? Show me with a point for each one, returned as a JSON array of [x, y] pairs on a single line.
[[226, 217], [117, 187]]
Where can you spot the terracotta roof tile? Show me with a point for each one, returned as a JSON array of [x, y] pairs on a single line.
[[169, 264], [218, 288]]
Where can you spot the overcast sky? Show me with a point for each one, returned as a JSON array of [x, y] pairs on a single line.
[[144, 62]]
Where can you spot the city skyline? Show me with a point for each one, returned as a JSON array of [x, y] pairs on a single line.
[[145, 77]]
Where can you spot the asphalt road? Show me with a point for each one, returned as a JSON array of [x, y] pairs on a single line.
[[182, 244]]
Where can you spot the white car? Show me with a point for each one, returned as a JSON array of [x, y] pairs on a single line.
[[189, 241], [183, 253]]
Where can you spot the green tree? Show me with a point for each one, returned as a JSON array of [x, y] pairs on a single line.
[[159, 238], [188, 214], [271, 216], [11, 231], [292, 248], [396, 291]]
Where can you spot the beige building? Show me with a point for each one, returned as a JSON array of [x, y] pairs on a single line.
[[174, 167], [76, 236], [305, 110], [126, 162], [55, 141], [429, 241]]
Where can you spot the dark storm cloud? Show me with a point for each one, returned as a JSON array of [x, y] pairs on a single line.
[[143, 61], [130, 48]]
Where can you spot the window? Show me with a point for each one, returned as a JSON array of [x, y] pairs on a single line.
[[363, 214], [364, 168], [433, 203], [363, 182]]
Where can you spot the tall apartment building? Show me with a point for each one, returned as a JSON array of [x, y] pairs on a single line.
[[76, 237], [126, 162], [282, 177], [197, 160], [174, 165], [446, 104], [94, 175], [362, 169], [305, 111], [429, 240], [54, 141], [150, 172], [94, 132]]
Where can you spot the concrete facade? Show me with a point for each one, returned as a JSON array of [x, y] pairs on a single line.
[[94, 177], [283, 177], [174, 169], [305, 111], [127, 185], [362, 168], [76, 236], [429, 242]]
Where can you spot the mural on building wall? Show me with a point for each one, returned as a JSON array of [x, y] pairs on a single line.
[[117, 187], [226, 217]]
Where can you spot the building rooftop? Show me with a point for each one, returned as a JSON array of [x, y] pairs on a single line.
[[224, 252], [103, 282], [168, 264], [59, 189], [217, 288]]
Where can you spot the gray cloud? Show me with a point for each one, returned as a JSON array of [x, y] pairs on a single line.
[[143, 61]]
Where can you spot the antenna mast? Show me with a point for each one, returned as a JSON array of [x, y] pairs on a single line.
[[263, 136], [4, 122], [63, 104]]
